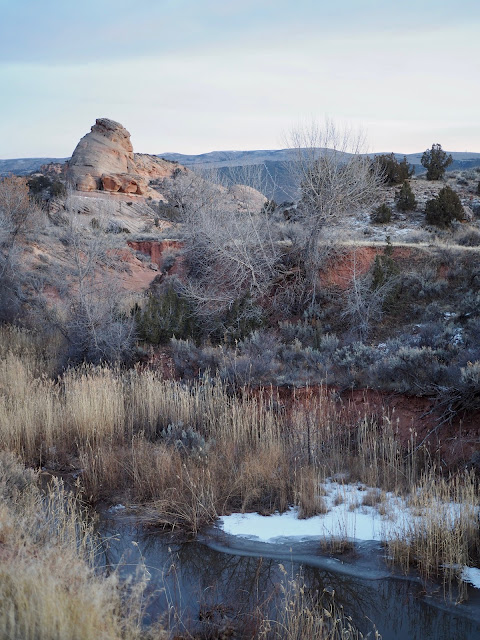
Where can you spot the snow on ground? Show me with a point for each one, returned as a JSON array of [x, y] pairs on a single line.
[[471, 575], [346, 518]]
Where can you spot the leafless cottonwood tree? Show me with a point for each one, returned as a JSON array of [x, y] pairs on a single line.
[[364, 300], [229, 244], [19, 215], [191, 191], [336, 181], [242, 181], [94, 320]]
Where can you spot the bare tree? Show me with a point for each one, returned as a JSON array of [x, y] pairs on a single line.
[[229, 244], [336, 181], [191, 191], [18, 217], [94, 320], [247, 184], [364, 299]]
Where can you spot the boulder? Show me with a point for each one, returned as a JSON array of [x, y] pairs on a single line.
[[86, 182], [111, 183], [124, 183], [247, 198], [133, 184]]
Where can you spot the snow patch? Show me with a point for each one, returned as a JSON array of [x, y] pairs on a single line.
[[347, 518], [472, 576]]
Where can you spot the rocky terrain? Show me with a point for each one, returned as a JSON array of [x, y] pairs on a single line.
[[139, 195]]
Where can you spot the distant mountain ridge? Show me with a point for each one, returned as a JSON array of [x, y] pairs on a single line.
[[239, 158], [25, 166], [277, 181], [272, 163]]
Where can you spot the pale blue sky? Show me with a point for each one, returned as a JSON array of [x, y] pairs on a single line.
[[195, 76]]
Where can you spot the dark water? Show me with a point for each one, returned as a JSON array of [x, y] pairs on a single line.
[[218, 578]]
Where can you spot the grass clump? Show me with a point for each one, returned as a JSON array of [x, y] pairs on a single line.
[[48, 585], [444, 537], [304, 614]]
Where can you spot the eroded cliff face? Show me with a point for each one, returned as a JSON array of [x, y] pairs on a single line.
[[104, 160], [157, 250]]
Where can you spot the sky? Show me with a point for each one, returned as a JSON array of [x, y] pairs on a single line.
[[192, 76]]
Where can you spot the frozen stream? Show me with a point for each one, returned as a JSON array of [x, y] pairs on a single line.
[[224, 577]]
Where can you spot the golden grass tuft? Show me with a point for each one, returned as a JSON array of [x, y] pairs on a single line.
[[48, 585], [309, 494], [303, 614]]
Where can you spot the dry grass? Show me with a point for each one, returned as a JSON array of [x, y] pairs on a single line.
[[48, 587], [303, 614], [373, 498], [310, 494], [445, 535], [242, 452]]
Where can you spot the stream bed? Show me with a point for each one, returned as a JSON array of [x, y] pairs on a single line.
[[219, 580]]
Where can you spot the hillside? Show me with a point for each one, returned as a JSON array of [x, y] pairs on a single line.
[[234, 266], [242, 158], [273, 168], [25, 166], [176, 348]]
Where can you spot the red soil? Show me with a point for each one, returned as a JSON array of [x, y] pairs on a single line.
[[340, 270], [155, 249], [412, 416]]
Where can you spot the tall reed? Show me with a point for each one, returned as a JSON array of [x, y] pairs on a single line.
[[48, 586], [122, 430], [444, 534]]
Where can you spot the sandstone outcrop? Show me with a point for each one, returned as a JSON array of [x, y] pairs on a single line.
[[153, 168], [86, 182], [104, 160], [124, 183]]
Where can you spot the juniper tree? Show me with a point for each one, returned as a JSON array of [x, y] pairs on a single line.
[[381, 215], [405, 198], [393, 172], [444, 209], [436, 161]]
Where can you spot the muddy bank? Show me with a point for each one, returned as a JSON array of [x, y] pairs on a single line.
[[414, 418]]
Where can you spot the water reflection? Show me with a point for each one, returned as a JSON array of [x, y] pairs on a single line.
[[194, 582]]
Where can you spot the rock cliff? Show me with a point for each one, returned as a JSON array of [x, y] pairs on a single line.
[[104, 160]]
